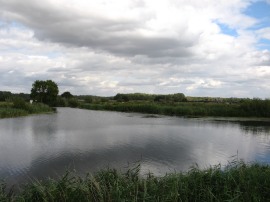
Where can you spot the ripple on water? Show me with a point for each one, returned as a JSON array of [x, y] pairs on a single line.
[[90, 140]]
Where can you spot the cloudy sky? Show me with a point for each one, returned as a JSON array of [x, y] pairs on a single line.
[[103, 47]]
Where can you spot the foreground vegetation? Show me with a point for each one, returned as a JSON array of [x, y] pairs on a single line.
[[19, 107], [237, 182]]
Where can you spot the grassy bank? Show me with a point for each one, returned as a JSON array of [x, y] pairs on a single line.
[[21, 108], [238, 182], [178, 105], [252, 108]]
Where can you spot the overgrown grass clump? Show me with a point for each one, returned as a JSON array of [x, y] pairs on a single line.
[[238, 182], [20, 108]]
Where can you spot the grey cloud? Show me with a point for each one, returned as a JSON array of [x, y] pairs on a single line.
[[98, 33], [265, 61], [138, 83], [15, 81], [101, 40], [57, 69], [12, 76], [22, 82], [180, 82], [69, 83]]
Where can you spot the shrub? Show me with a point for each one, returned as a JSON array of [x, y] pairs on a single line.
[[19, 103], [73, 102]]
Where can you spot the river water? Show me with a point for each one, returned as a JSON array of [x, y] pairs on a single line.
[[85, 141]]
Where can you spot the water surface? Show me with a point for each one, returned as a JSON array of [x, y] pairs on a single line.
[[85, 141]]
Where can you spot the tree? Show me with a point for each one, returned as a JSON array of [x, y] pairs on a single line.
[[67, 95], [121, 97], [45, 92], [73, 103], [4, 95]]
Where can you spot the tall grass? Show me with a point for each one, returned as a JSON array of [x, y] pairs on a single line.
[[11, 112], [237, 182], [17, 109], [249, 109]]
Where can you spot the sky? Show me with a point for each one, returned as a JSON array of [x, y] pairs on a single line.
[[104, 47]]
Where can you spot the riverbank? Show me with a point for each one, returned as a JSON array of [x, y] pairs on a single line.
[[10, 109], [251, 108], [237, 182]]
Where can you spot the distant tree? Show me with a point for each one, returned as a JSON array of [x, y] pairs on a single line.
[[4, 95], [179, 97], [121, 97], [159, 98], [73, 103], [88, 99], [67, 95], [45, 92]]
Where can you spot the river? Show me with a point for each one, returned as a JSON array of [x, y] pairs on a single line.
[[85, 141]]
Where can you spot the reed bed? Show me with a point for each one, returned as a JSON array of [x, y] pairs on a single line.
[[250, 109], [237, 182], [9, 110]]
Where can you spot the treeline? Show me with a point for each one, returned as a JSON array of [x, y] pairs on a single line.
[[8, 96], [178, 97], [161, 98], [120, 97], [172, 104], [64, 100]]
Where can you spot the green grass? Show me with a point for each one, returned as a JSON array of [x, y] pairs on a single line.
[[248, 109], [237, 182], [11, 112], [8, 109]]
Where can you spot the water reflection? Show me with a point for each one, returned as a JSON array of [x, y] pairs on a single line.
[[255, 127], [47, 145]]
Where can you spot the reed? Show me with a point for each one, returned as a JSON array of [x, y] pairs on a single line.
[[251, 108], [237, 182], [8, 110], [11, 112]]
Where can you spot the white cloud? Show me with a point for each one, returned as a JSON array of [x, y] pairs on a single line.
[[264, 33], [105, 47]]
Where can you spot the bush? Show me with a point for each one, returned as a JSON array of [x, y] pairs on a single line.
[[19, 103], [73, 103], [61, 102]]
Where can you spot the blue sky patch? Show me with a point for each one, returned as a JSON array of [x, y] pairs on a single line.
[[261, 11], [225, 29], [13, 24], [263, 44]]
